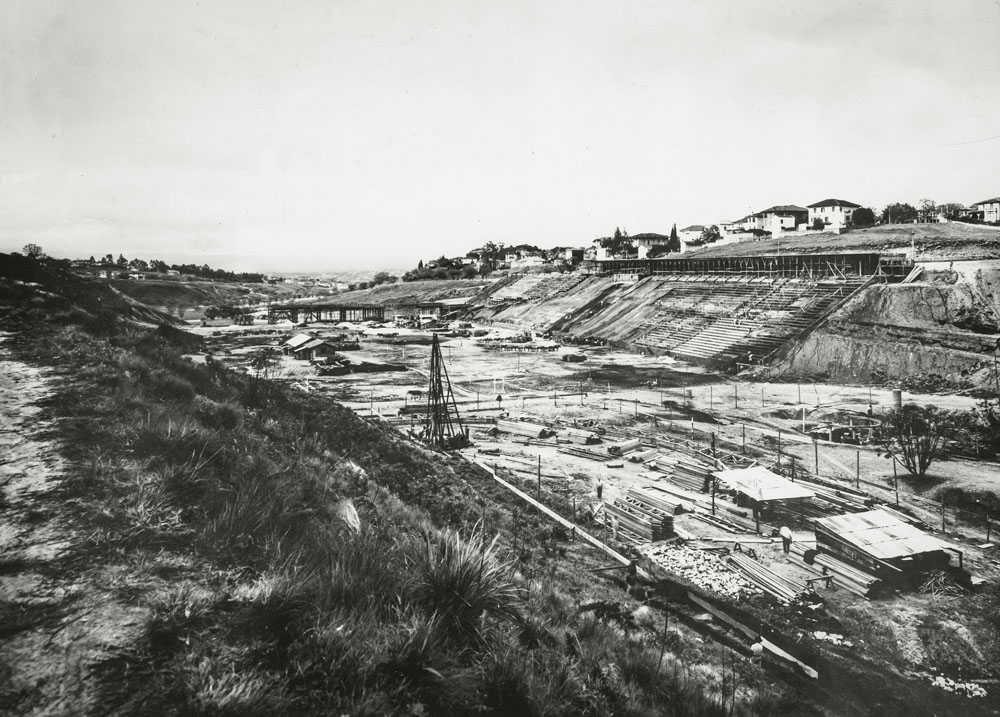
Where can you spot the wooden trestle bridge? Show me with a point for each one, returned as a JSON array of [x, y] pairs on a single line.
[[324, 311]]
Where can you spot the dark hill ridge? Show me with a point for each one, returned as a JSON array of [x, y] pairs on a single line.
[[63, 291]]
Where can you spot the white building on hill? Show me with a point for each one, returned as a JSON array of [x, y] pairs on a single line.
[[990, 209], [834, 213]]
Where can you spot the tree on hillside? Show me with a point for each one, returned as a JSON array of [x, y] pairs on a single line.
[[863, 217], [899, 214], [951, 209], [674, 243], [32, 250], [618, 244], [914, 436], [710, 234], [383, 277]]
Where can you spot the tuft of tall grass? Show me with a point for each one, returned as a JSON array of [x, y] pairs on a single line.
[[465, 579]]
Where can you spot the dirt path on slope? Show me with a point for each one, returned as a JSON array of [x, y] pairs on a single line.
[[56, 624]]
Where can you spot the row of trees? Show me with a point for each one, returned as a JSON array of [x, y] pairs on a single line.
[[158, 266]]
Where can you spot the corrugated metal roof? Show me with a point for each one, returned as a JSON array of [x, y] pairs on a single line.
[[298, 340], [313, 343], [761, 484], [880, 534]]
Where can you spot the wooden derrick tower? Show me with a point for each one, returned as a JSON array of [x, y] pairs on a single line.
[[443, 428]]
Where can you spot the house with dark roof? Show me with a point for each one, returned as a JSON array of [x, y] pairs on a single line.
[[990, 209], [781, 218], [834, 213]]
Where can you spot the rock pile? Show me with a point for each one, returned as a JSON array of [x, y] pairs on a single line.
[[701, 568]]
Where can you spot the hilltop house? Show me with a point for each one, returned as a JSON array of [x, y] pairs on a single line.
[[834, 213], [645, 242], [990, 209], [691, 233], [781, 218]]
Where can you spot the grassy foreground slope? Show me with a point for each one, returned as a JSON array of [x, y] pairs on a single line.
[[288, 558]]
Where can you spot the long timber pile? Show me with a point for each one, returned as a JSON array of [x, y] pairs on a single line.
[[584, 453], [685, 473], [844, 575], [523, 428], [575, 435], [656, 499], [766, 579], [640, 520], [849, 577]]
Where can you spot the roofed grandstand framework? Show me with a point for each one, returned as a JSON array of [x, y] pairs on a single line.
[[719, 311], [800, 265]]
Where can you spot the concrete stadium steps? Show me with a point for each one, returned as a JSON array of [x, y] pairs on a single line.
[[534, 287], [732, 340], [486, 297]]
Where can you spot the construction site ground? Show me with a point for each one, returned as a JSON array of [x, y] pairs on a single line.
[[628, 395]]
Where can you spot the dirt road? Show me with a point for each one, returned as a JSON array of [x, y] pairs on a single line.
[[57, 626]]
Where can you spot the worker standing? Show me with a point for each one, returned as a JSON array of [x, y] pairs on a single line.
[[786, 539], [600, 489], [757, 650]]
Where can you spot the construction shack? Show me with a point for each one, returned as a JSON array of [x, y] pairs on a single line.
[[759, 488], [313, 350], [295, 342], [885, 546]]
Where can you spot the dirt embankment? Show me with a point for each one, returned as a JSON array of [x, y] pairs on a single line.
[[945, 325], [929, 242], [187, 299], [417, 291]]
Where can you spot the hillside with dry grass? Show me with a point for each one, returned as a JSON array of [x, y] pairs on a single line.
[[933, 242]]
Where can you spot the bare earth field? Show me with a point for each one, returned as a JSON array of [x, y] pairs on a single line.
[[628, 394]]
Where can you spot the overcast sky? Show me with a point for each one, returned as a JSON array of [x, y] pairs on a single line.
[[324, 135]]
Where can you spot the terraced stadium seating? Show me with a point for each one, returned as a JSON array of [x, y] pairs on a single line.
[[725, 319]]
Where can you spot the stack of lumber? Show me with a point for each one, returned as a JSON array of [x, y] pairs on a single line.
[[847, 576], [656, 499], [523, 428], [575, 435], [641, 521], [778, 585], [720, 522], [620, 448], [691, 475], [644, 456], [685, 498], [584, 453], [801, 550], [701, 568], [847, 499]]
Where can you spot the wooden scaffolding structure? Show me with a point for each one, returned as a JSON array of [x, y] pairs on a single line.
[[443, 427]]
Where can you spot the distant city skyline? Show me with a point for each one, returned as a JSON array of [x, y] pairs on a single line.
[[321, 136]]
